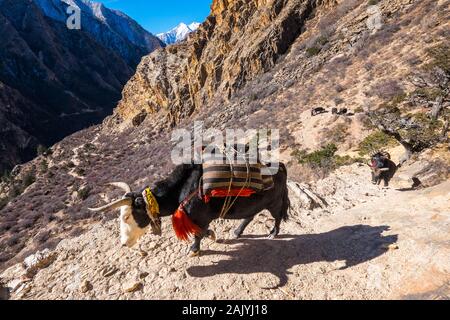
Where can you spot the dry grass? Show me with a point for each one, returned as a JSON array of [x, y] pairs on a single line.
[[28, 215]]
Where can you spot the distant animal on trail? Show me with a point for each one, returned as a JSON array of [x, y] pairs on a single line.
[[383, 168], [178, 196], [317, 111], [342, 111]]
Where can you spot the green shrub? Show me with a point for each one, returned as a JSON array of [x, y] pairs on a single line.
[[324, 159], [399, 98], [426, 133], [3, 202], [43, 166], [42, 150], [89, 147], [323, 40], [84, 193], [14, 192], [372, 2], [429, 93], [440, 57], [317, 158], [393, 105], [253, 96], [313, 51], [375, 141], [28, 180], [6, 176], [80, 171]]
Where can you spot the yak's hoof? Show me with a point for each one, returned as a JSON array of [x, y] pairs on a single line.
[[212, 235], [272, 236], [193, 254]]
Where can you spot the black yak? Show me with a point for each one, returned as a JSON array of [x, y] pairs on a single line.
[[383, 168], [178, 196]]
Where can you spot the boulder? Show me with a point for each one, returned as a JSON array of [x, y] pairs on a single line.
[[86, 286], [423, 173], [37, 261], [307, 199]]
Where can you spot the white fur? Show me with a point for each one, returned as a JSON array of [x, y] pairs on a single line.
[[130, 232]]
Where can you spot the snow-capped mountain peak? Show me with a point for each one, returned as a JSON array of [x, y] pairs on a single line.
[[179, 33], [194, 26]]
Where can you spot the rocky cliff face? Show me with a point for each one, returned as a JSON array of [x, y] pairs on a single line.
[[238, 41], [55, 81]]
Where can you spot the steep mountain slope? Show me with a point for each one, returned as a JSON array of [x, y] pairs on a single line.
[[62, 80], [256, 64], [111, 28], [179, 33], [240, 41]]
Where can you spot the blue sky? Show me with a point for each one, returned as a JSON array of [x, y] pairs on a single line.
[[161, 15]]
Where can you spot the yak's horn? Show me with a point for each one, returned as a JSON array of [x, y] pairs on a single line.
[[114, 205], [122, 185], [384, 169]]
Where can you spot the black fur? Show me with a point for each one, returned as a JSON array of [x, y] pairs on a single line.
[[342, 111], [385, 176], [139, 211], [317, 111]]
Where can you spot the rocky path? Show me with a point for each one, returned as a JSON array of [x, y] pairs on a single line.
[[367, 243]]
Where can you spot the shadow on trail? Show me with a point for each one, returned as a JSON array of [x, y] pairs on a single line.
[[354, 244]]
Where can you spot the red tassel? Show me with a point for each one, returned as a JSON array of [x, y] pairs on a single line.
[[183, 226]]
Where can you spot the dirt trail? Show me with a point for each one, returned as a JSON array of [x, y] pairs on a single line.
[[368, 243]]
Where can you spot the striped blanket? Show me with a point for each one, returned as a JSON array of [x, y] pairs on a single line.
[[219, 176]]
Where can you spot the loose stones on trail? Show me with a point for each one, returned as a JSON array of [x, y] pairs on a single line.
[[267, 282], [37, 261], [131, 286], [108, 271], [86, 286]]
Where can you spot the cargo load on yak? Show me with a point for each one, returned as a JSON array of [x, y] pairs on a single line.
[[232, 172]]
